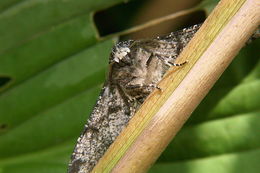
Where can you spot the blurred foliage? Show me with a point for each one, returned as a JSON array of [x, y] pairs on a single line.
[[52, 67]]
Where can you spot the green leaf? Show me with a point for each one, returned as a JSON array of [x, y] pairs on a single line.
[[244, 162], [57, 66], [55, 84], [52, 67]]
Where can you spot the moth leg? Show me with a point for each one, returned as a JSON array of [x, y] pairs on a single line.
[[141, 86], [169, 63], [255, 36], [177, 64]]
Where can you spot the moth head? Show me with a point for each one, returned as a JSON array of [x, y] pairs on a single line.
[[120, 52]]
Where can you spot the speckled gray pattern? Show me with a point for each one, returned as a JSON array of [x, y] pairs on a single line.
[[135, 68]]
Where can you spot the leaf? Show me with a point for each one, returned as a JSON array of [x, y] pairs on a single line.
[[57, 67], [243, 162], [52, 67]]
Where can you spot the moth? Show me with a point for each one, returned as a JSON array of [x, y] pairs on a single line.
[[135, 68]]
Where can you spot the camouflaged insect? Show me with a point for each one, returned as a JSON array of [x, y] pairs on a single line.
[[135, 69]]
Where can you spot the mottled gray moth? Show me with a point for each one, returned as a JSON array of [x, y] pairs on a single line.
[[135, 68]]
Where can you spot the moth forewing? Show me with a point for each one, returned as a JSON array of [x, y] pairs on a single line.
[[135, 68]]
